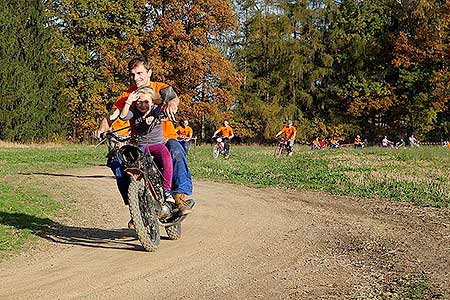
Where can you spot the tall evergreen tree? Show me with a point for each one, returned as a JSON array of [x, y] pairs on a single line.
[[30, 104]]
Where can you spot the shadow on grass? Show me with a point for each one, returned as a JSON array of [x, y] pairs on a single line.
[[68, 175], [121, 239]]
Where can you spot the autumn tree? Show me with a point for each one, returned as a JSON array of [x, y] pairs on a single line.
[[422, 60], [177, 36]]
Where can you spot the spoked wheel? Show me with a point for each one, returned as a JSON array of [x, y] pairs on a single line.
[[144, 215], [278, 151], [216, 151]]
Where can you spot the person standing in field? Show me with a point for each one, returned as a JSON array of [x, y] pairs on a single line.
[[184, 134], [227, 134], [290, 133]]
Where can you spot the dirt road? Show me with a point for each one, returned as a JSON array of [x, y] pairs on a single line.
[[240, 243]]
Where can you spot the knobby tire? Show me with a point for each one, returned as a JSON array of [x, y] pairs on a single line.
[[144, 216], [174, 231]]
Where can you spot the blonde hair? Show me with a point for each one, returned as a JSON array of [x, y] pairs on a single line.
[[148, 90]]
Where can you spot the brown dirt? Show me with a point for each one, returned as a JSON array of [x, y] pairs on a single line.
[[240, 243]]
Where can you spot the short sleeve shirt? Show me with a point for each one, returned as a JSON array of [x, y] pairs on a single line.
[[226, 131], [289, 132], [168, 129], [184, 132]]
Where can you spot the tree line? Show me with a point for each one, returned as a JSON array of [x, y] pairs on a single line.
[[342, 68]]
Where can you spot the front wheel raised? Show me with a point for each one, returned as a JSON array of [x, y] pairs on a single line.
[[144, 216]]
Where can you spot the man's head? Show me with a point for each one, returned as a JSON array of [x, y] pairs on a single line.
[[289, 123], [225, 123], [139, 71], [185, 123]]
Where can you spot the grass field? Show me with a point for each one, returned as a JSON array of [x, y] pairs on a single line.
[[419, 175], [25, 212]]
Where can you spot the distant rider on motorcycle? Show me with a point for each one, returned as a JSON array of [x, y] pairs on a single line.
[[289, 135], [227, 134], [184, 132]]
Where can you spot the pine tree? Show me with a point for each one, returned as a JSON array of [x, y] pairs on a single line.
[[31, 109]]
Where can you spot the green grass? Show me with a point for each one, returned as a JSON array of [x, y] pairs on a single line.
[[25, 211], [418, 175]]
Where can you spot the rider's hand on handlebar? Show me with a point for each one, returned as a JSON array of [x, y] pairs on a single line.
[[97, 134], [171, 109]]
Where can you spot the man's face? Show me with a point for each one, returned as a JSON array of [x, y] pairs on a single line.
[[225, 123], [185, 123], [140, 75]]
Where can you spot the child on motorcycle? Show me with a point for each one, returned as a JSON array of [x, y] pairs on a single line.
[[141, 109]]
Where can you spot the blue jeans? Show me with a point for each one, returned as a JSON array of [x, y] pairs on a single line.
[[184, 144], [123, 182], [182, 179]]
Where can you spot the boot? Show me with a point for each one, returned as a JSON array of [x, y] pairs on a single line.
[[180, 202]]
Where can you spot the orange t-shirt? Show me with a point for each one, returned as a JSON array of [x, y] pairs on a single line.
[[120, 102], [168, 129], [226, 131], [184, 132], [316, 143], [288, 132], [357, 141], [118, 124]]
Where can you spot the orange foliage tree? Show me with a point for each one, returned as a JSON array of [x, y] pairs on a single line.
[[100, 37]]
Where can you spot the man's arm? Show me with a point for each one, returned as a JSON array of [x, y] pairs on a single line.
[[172, 101], [106, 122], [215, 133]]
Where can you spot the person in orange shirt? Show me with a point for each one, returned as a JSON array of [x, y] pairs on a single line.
[[334, 142], [140, 73], [227, 134], [357, 143], [315, 144], [290, 133], [184, 134]]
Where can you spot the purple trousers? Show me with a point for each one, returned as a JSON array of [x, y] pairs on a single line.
[[163, 160]]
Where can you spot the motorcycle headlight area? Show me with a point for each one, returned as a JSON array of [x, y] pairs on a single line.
[[130, 156], [219, 140]]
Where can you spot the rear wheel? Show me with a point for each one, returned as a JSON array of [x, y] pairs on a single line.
[[226, 153], [216, 151], [174, 231], [144, 216]]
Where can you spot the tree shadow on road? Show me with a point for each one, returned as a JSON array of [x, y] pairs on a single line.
[[120, 239], [68, 175]]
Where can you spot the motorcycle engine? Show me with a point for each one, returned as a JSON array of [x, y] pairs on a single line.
[[166, 211]]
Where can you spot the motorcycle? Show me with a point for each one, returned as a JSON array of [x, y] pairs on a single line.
[[283, 148], [148, 208], [219, 149]]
